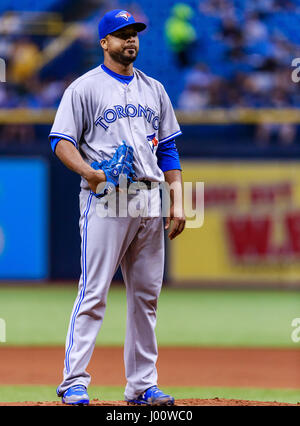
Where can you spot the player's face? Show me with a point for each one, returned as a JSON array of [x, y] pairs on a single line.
[[123, 45]]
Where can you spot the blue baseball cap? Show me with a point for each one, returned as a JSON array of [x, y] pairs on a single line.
[[116, 19]]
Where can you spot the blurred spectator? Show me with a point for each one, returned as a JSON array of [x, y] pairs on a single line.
[[261, 6], [22, 133], [249, 48], [44, 94], [180, 33], [8, 96], [24, 58], [200, 76], [254, 28], [196, 94], [231, 31], [193, 99], [218, 8], [229, 54], [285, 133]]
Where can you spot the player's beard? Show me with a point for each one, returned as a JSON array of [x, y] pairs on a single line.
[[124, 58]]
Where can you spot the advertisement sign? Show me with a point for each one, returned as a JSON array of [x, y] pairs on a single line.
[[23, 219], [251, 228]]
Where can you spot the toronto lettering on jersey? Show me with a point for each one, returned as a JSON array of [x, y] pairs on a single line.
[[118, 112]]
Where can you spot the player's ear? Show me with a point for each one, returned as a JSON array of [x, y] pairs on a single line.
[[103, 43]]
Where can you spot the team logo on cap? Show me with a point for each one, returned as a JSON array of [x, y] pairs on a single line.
[[123, 14]]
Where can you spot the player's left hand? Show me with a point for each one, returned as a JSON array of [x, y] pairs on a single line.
[[177, 218], [120, 164]]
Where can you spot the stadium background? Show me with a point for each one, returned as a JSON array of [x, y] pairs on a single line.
[[231, 288]]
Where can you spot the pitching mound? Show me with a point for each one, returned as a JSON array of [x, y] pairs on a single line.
[[179, 403]]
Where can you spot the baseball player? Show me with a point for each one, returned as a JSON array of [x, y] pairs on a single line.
[[112, 121]]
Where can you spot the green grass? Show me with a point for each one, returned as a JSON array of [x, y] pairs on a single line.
[[47, 393], [40, 316]]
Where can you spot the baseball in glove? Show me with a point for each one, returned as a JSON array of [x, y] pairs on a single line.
[[120, 164]]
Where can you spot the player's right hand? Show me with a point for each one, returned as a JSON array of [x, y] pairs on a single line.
[[95, 177]]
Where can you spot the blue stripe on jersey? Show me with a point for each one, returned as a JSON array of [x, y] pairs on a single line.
[[84, 279], [167, 156], [174, 135], [126, 79]]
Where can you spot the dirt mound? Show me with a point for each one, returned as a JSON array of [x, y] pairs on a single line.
[[179, 403]]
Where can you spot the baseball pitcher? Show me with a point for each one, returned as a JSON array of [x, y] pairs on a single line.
[[116, 121]]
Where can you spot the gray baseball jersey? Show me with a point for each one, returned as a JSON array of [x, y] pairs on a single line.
[[98, 112]]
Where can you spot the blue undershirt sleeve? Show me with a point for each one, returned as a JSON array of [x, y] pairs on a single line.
[[167, 156]]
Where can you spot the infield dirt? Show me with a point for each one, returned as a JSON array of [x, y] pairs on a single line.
[[184, 366]]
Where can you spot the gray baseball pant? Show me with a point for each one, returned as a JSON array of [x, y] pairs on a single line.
[[137, 245]]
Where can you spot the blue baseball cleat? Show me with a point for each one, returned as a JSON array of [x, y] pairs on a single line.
[[76, 395], [152, 396]]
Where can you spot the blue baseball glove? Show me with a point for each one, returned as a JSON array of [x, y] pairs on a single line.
[[120, 164]]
